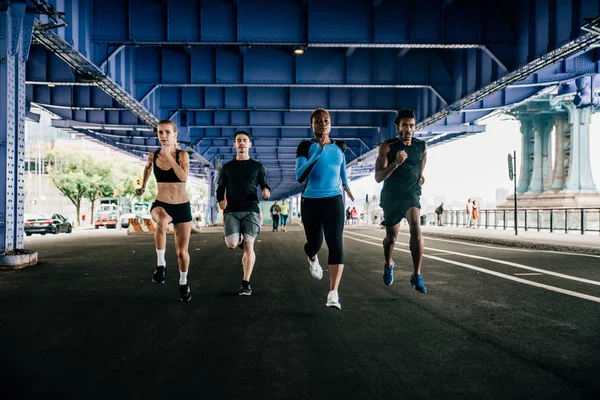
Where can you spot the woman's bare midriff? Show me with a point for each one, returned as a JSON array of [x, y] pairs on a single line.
[[172, 192]]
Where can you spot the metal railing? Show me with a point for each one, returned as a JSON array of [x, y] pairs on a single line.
[[583, 220]]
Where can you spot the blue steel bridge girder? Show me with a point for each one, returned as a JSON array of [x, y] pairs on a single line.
[[453, 62], [16, 25]]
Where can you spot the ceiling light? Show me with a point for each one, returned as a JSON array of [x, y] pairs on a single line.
[[298, 50]]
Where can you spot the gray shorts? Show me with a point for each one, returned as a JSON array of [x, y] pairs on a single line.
[[242, 222]]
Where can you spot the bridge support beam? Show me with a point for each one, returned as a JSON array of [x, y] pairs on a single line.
[[526, 154], [16, 25], [579, 178], [570, 183], [562, 136], [542, 154]]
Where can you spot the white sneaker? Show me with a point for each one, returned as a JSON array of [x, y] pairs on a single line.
[[333, 300], [315, 268]]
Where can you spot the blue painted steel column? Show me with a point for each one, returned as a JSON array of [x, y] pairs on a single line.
[[211, 210], [579, 178], [526, 153], [562, 133], [16, 24]]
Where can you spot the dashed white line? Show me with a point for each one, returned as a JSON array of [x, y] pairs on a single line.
[[509, 263], [509, 248], [528, 274], [494, 273]]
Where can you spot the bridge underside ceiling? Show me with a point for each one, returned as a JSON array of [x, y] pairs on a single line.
[[214, 67]]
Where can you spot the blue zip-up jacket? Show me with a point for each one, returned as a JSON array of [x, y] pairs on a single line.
[[324, 168]]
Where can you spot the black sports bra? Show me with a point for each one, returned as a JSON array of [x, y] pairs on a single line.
[[166, 175]]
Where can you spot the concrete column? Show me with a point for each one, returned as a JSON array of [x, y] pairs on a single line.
[[16, 25], [562, 137], [545, 124], [536, 185], [579, 178], [526, 154]]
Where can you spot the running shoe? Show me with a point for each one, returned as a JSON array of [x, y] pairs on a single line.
[[159, 274], [416, 281], [185, 293], [315, 268], [333, 300], [246, 289], [388, 274]]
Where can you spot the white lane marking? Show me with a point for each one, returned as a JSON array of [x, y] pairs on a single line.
[[512, 264], [528, 274], [498, 274], [512, 248]]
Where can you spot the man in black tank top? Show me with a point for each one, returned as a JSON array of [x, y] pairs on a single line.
[[400, 164]]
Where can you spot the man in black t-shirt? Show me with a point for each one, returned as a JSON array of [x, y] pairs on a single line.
[[236, 194], [400, 164], [275, 210]]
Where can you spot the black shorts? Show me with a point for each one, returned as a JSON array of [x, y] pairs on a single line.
[[179, 212], [394, 211]]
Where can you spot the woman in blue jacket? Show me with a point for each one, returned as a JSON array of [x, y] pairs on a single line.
[[321, 163]]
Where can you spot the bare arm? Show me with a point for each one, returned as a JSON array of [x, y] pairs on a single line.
[[181, 169], [382, 169], [423, 162], [147, 171]]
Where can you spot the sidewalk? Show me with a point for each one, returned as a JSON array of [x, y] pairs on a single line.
[[558, 241]]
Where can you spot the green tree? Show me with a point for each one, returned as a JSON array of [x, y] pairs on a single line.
[[68, 173], [127, 175], [101, 180]]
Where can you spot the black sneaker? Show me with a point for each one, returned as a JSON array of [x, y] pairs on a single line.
[[246, 289], [185, 293], [159, 274]]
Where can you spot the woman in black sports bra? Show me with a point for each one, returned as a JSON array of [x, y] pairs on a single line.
[[171, 167]]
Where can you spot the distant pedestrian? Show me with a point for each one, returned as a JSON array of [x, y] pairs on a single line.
[[236, 194], [469, 212], [354, 215], [348, 216], [275, 210], [475, 214], [440, 211], [321, 163], [171, 167], [284, 211], [400, 164]]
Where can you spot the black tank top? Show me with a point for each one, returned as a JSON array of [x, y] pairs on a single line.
[[166, 175], [405, 179]]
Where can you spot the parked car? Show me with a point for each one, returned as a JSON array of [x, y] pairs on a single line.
[[43, 224], [125, 219]]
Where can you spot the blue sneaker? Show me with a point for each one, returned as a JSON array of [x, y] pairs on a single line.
[[416, 281], [246, 289], [388, 274]]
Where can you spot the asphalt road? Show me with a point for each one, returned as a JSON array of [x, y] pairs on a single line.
[[497, 322]]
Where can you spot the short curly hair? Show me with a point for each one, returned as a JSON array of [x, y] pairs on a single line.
[[404, 113]]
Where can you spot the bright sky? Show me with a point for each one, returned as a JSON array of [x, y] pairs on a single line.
[[474, 167]]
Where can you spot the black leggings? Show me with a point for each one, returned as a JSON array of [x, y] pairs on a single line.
[[324, 215]]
